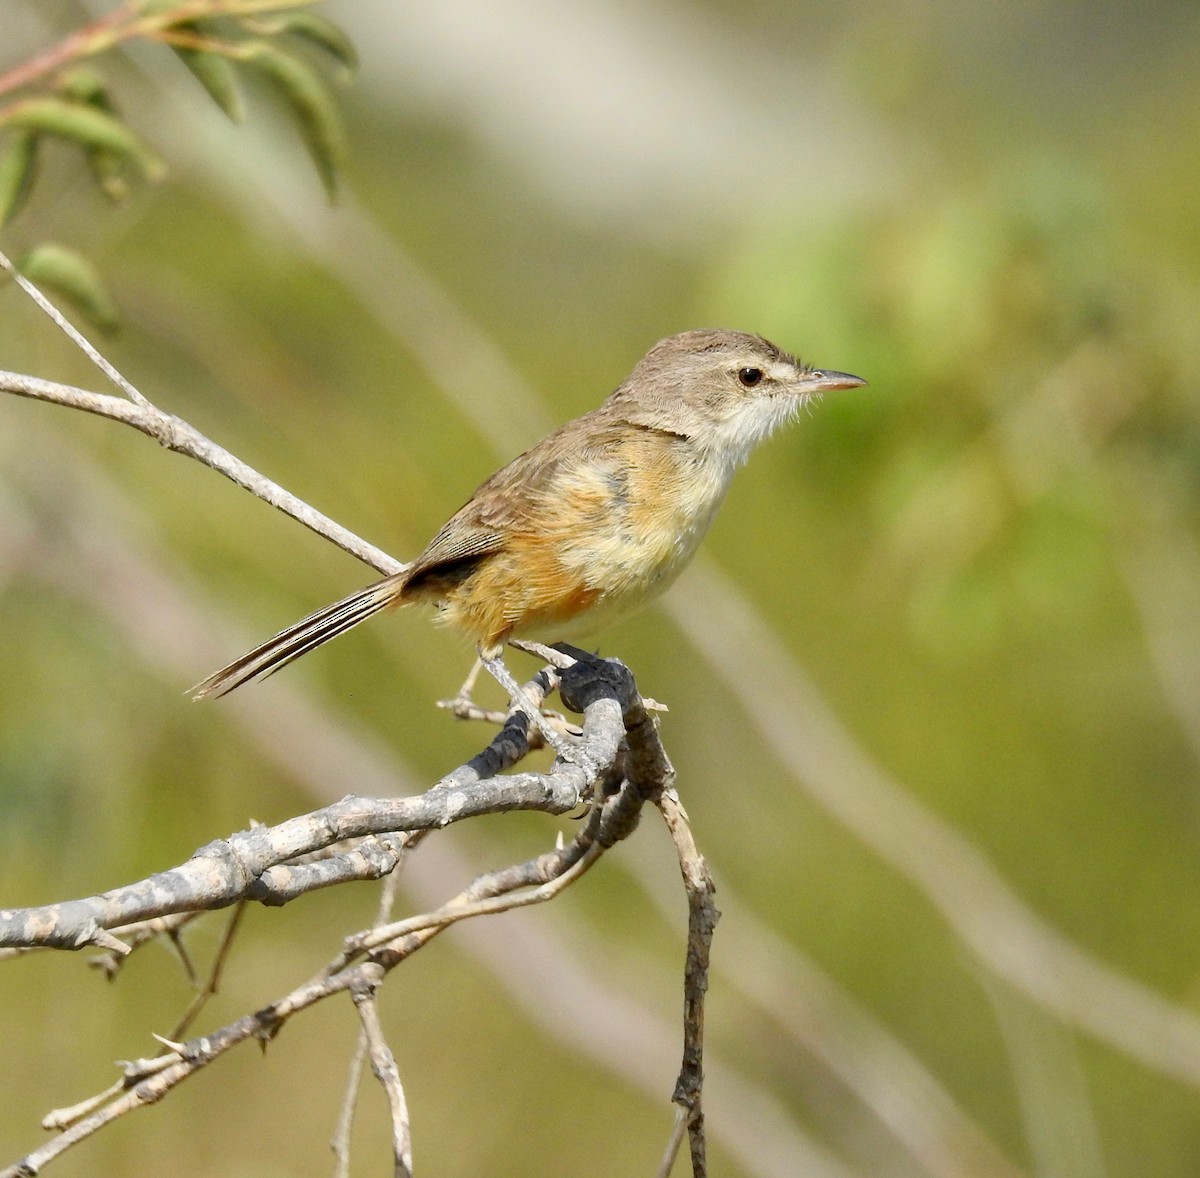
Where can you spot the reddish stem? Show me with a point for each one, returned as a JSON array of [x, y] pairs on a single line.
[[80, 43]]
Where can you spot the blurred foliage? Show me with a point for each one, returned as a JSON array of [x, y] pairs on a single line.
[[989, 560], [49, 97]]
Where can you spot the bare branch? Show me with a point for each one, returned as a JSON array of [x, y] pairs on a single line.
[[340, 1142], [383, 1064], [254, 864], [148, 1080], [261, 863], [702, 921], [213, 981], [173, 433], [678, 1133], [73, 333], [134, 936]]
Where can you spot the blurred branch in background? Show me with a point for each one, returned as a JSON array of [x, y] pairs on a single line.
[[790, 715], [1161, 564]]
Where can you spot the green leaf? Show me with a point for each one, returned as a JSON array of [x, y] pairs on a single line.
[[73, 276], [215, 73], [108, 168], [311, 103], [86, 86], [18, 169], [85, 125], [318, 31]]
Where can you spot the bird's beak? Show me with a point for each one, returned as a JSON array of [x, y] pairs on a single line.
[[821, 380]]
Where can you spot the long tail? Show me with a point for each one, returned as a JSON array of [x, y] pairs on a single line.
[[302, 637]]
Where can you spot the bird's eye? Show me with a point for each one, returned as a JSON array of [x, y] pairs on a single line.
[[750, 376]]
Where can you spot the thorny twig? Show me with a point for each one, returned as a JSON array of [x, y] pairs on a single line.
[[340, 1142]]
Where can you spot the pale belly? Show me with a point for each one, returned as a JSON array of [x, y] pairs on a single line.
[[634, 558]]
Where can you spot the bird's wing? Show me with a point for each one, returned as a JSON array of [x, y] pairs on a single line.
[[460, 541], [514, 498]]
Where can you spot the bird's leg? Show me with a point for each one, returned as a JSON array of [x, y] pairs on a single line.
[[491, 662], [463, 705], [465, 691]]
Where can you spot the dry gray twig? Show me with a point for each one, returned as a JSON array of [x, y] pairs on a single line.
[[387, 1072], [173, 433]]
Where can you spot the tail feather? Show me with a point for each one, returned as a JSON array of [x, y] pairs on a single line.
[[300, 638]]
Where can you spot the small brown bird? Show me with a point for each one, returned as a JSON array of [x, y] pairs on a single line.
[[594, 521]]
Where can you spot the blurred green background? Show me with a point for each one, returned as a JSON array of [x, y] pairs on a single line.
[[962, 917]]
